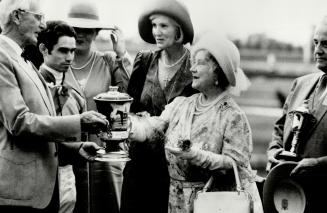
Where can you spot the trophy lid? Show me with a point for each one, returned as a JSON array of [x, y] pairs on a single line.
[[113, 95]]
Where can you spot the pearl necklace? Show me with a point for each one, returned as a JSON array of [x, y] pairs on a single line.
[[201, 107], [87, 63], [176, 62], [82, 82]]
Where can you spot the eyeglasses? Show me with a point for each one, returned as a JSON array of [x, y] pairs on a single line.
[[38, 16]]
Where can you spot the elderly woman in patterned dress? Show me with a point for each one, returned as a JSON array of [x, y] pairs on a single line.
[[216, 127]]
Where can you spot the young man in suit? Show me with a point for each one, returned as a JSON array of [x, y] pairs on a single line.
[[312, 147], [57, 44], [30, 133]]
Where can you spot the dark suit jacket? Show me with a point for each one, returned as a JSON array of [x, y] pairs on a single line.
[[314, 142], [28, 158], [146, 179]]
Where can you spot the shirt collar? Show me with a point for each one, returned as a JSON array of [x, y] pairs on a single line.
[[58, 75], [13, 44]]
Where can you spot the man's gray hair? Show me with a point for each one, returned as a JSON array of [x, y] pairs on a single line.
[[8, 6]]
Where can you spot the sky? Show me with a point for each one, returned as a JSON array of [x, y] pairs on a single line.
[[286, 20]]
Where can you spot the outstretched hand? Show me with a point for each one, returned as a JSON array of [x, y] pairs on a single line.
[[89, 150]]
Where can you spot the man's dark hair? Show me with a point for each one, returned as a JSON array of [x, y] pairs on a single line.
[[53, 31]]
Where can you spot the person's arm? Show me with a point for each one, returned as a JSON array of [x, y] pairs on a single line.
[[120, 63], [136, 82], [146, 128], [237, 145], [276, 146], [70, 153], [125, 63], [120, 69], [150, 128], [20, 121]]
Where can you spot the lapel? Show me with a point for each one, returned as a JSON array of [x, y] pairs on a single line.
[[305, 87], [318, 113], [33, 74], [182, 78], [47, 91]]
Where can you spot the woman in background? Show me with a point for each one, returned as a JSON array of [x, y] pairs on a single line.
[[91, 73], [157, 78]]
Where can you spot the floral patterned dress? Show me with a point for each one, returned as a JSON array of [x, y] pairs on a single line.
[[218, 133]]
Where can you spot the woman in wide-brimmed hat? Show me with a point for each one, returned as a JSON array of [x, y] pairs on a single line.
[[157, 78], [91, 73], [206, 132]]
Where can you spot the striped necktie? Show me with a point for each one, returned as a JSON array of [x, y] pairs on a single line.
[[321, 91]]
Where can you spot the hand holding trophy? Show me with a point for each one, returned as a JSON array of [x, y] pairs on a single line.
[[301, 115]]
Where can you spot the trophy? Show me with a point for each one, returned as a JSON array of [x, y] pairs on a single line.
[[300, 117], [115, 106]]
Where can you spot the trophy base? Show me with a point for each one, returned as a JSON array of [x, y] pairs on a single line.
[[113, 151], [118, 156], [288, 156]]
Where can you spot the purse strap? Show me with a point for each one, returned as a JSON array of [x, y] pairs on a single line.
[[239, 188], [236, 175]]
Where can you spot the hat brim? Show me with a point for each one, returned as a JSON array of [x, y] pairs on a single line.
[[280, 191], [85, 23], [208, 43], [170, 8]]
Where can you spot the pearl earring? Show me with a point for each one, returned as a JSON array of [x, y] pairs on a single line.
[[216, 83]]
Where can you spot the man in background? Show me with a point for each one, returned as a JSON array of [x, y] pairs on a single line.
[[312, 147]]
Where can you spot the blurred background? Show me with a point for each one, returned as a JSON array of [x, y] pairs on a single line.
[[274, 38]]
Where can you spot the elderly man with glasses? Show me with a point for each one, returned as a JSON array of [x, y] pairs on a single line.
[[30, 133]]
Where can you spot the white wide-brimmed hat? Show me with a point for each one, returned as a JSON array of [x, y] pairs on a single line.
[[84, 14]]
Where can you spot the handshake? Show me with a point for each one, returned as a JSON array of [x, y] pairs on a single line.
[[93, 122]]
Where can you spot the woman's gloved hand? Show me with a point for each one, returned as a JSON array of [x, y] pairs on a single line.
[[178, 152], [202, 158]]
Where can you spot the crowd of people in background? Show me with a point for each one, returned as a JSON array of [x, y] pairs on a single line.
[[182, 92]]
